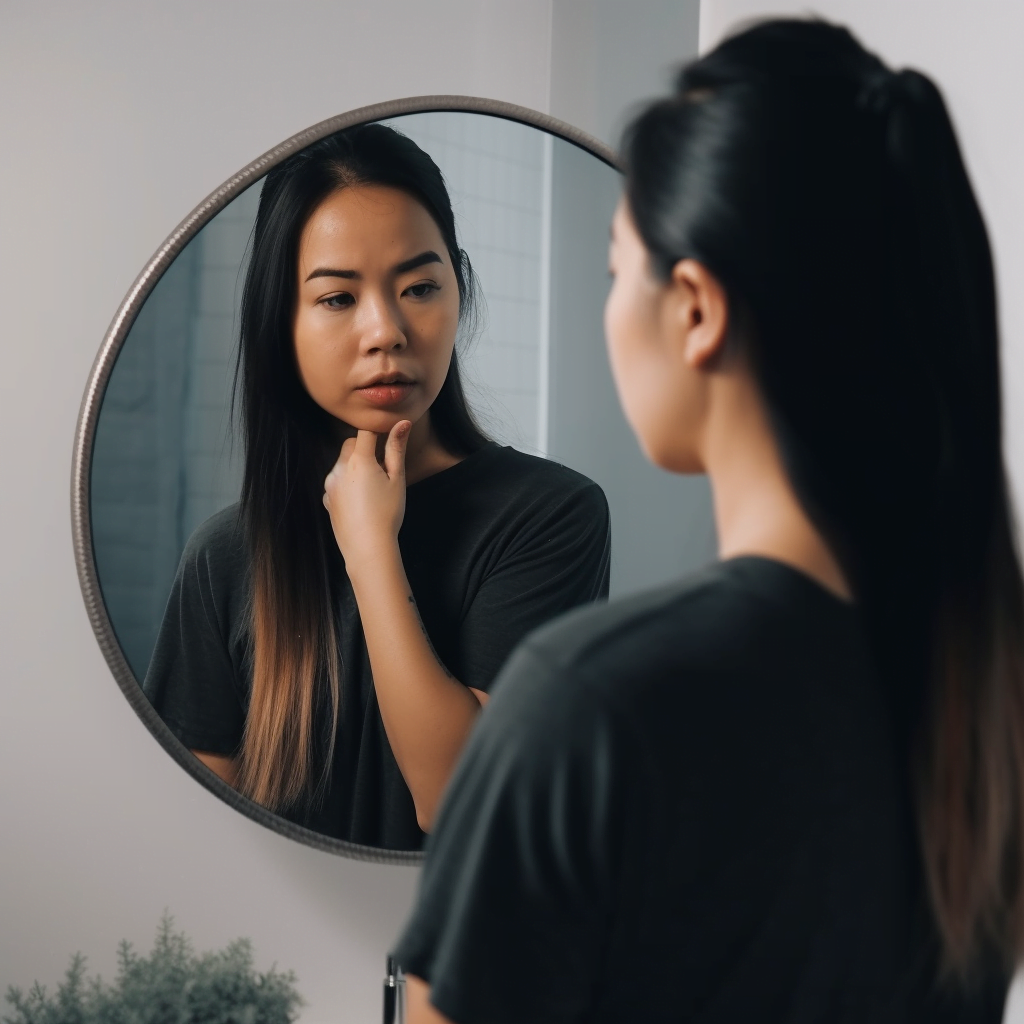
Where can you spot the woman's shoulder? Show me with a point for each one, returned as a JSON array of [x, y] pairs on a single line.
[[542, 469], [749, 646], [735, 616], [215, 551], [524, 477], [586, 636], [223, 528], [500, 481]]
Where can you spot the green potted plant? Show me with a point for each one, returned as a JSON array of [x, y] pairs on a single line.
[[173, 985]]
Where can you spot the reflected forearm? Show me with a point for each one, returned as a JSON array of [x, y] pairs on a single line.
[[418, 1006], [220, 764], [427, 713]]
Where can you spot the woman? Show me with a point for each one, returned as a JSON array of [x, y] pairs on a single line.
[[329, 641], [789, 788]]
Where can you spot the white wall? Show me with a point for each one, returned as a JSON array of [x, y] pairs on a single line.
[[117, 117], [972, 50], [611, 54]]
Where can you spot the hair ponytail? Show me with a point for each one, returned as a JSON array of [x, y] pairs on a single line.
[[829, 197], [969, 758]]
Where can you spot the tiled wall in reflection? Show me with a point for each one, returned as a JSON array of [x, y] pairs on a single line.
[[496, 178]]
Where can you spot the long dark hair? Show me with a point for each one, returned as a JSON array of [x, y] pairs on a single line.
[[290, 445], [828, 195]]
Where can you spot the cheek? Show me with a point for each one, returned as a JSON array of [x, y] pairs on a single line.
[[320, 357], [627, 353], [645, 381], [306, 352], [614, 326], [447, 326], [437, 326]]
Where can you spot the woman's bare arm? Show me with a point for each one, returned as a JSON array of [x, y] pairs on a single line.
[[427, 713], [418, 1005], [220, 764]]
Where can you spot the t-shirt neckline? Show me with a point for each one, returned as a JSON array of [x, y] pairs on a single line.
[[473, 458], [805, 579]]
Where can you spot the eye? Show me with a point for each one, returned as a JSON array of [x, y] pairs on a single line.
[[340, 301], [422, 289]]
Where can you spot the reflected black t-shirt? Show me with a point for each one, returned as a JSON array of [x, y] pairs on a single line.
[[690, 806], [493, 547]]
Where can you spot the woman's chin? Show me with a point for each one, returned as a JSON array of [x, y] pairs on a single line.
[[675, 458], [380, 422]]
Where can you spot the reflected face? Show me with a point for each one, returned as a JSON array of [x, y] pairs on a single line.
[[377, 310]]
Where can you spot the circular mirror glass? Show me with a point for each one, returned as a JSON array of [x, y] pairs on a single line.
[[529, 499]]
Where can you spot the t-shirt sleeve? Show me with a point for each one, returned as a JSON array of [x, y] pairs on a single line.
[[520, 879], [558, 559], [192, 678]]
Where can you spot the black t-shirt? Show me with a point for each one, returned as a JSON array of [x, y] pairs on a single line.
[[493, 547], [689, 805]]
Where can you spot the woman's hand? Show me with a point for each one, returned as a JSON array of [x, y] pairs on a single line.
[[366, 500]]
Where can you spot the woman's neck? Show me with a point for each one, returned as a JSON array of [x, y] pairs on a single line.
[[757, 511], [424, 454]]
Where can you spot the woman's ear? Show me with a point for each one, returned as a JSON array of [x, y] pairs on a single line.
[[699, 313]]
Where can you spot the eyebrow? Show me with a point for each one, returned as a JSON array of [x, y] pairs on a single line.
[[400, 268]]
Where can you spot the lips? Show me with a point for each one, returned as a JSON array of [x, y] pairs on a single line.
[[395, 377], [387, 389]]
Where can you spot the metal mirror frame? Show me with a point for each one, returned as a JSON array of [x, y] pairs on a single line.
[[99, 376]]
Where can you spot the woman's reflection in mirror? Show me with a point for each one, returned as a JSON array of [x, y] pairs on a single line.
[[790, 787], [329, 642]]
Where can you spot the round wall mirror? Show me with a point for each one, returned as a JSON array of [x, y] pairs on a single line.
[[247, 619]]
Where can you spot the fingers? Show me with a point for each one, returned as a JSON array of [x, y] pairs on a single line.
[[394, 450], [343, 456], [365, 445], [347, 448]]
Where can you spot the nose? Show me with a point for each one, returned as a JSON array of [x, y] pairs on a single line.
[[382, 328]]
